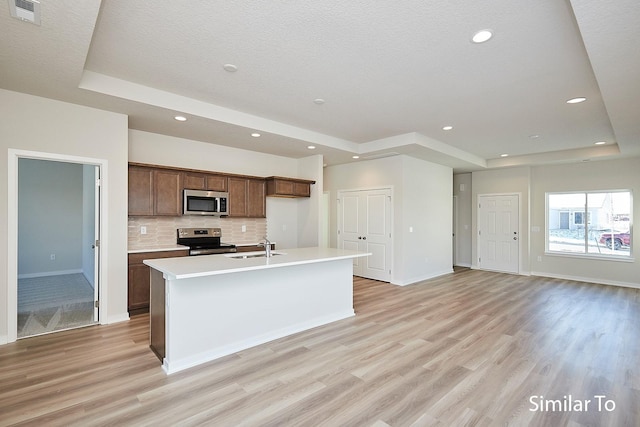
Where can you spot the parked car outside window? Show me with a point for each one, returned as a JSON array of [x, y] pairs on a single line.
[[619, 239]]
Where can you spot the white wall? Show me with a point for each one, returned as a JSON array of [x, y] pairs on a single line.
[[427, 207], [153, 148], [290, 222], [462, 189], [585, 176], [532, 184], [43, 125], [422, 199], [309, 209], [50, 217]]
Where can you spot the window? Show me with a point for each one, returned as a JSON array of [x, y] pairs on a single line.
[[589, 223]]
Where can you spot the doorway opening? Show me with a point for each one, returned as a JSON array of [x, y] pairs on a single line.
[[55, 282]]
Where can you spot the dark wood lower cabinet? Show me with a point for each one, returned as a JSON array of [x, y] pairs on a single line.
[[139, 281]]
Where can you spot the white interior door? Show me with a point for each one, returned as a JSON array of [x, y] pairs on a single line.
[[498, 233], [364, 224]]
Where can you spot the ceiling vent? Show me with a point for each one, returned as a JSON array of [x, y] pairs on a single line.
[[25, 10]]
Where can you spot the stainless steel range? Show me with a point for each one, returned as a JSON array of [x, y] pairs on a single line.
[[203, 241]]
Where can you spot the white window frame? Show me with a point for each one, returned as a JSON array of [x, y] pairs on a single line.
[[586, 253]]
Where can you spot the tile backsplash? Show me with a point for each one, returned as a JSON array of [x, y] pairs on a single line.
[[161, 231]]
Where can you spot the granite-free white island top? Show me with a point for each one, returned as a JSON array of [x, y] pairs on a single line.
[[208, 265], [209, 306]]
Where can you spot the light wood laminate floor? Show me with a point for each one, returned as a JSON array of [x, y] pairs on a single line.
[[470, 348]]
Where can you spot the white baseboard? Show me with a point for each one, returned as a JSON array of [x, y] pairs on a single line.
[[48, 273], [462, 264], [587, 280], [420, 279]]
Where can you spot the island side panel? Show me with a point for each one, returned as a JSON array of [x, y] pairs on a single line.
[[211, 317], [157, 314]]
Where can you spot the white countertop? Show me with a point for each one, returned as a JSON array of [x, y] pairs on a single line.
[[208, 265]]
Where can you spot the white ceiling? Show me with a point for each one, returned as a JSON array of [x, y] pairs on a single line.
[[392, 74]]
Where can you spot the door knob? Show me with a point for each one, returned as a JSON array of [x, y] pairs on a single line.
[[364, 238], [515, 238], [359, 237]]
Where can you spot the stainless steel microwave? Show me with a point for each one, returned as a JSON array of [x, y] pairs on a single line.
[[199, 202]]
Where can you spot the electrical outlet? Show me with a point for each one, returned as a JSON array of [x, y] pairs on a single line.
[[244, 228], [143, 230], [52, 257], [539, 258]]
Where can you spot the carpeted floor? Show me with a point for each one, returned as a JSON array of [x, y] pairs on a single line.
[[52, 303]]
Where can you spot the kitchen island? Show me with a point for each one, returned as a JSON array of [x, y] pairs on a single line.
[[206, 307]]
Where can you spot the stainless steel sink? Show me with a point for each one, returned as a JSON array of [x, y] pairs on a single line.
[[261, 255]]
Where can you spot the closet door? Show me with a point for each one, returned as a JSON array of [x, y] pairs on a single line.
[[364, 224]]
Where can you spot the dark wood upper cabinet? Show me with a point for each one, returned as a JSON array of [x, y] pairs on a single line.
[[217, 183], [168, 192], [154, 191], [201, 181], [247, 197], [238, 190], [194, 181], [140, 191], [157, 190], [256, 199], [288, 187]]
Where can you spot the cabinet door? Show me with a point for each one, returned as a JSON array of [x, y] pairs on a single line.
[[200, 181], [194, 181], [140, 191], [238, 190], [301, 189], [256, 198], [138, 286], [283, 187], [216, 183], [168, 188]]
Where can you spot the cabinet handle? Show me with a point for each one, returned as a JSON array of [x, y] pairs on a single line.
[[364, 238]]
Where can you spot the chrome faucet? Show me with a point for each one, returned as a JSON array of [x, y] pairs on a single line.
[[267, 247]]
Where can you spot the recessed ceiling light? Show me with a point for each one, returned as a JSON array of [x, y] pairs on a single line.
[[318, 101], [482, 36], [180, 118], [355, 157], [230, 68], [447, 128], [255, 135], [504, 155], [576, 100], [311, 147], [601, 142], [534, 136]]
